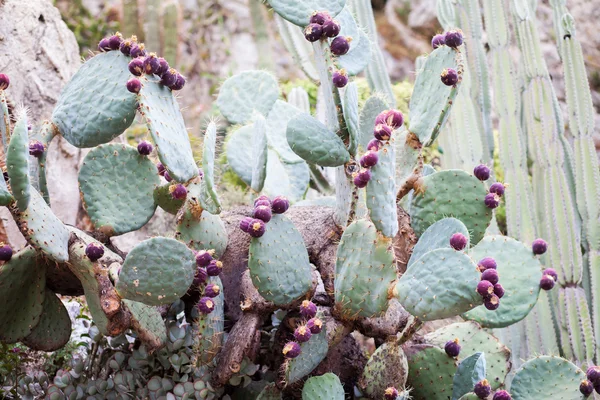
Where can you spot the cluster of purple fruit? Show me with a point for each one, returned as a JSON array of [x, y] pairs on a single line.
[[496, 191], [592, 382], [453, 39], [385, 125], [177, 190], [264, 209], [549, 276], [304, 332], [207, 266], [483, 390], [488, 287]]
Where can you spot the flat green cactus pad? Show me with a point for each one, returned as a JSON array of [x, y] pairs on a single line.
[[359, 56], [163, 198], [313, 352], [54, 329], [204, 233], [210, 335], [372, 108], [209, 199], [157, 271], [17, 163], [44, 230], [473, 338], [441, 284], [430, 372], [118, 188], [278, 262], [451, 193], [386, 367], [312, 141], [166, 125], [95, 106], [547, 377], [351, 116], [432, 100], [381, 193], [437, 236], [247, 92], [299, 12], [22, 293], [364, 271], [470, 371], [259, 154], [270, 392], [5, 196], [147, 322], [277, 122], [520, 274], [327, 386]]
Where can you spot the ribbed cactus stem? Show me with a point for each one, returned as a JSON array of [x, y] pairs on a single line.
[[171, 23], [152, 25], [261, 34], [297, 45], [130, 22]]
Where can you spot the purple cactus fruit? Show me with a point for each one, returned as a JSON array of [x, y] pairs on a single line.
[[200, 277], [245, 224], [374, 145], [214, 268], [145, 148], [134, 85], [452, 348], [482, 389], [179, 83], [257, 228], [390, 393], [178, 191], [161, 169], [308, 309], [126, 46], [104, 45], [497, 188], [485, 289], [453, 38], [203, 258], [114, 42], [383, 132], [137, 50], [492, 303], [340, 78], [266, 203], [167, 176], [36, 148], [302, 334], [502, 395], [362, 178], [458, 241], [491, 200], [136, 66], [539, 247], [498, 290], [487, 263], [449, 77], [315, 325], [212, 290], [393, 118], [280, 205], [6, 252], [482, 172], [151, 64], [319, 17], [4, 82], [370, 159], [547, 282], [313, 32], [553, 274], [163, 66], [169, 77], [586, 388], [490, 275], [593, 374], [262, 197], [291, 350], [263, 213], [94, 251], [340, 45], [438, 40], [206, 305], [331, 28]]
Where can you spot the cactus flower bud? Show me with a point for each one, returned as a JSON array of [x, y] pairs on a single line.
[[452, 348]]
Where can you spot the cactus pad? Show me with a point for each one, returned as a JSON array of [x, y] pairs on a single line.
[[259, 154], [54, 329], [210, 334], [313, 352], [299, 12], [359, 56], [5, 196], [204, 233], [118, 188], [364, 271], [547, 377], [441, 284], [208, 196], [470, 371], [451, 193], [243, 94], [277, 122], [278, 262], [386, 367], [147, 322], [22, 293], [520, 274], [351, 116], [157, 271], [372, 108], [327, 386], [437, 236], [430, 372], [164, 199], [381, 193], [17, 163], [312, 141], [270, 392]]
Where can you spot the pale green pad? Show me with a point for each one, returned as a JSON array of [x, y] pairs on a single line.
[[351, 116], [359, 56], [166, 125], [386, 367], [364, 271], [270, 392], [164, 199], [5, 196], [204, 234], [277, 122], [312, 141], [208, 196], [22, 293], [372, 108], [95, 106], [17, 164], [437, 236], [313, 352], [54, 329], [157, 271], [118, 188], [547, 377], [441, 284], [327, 386], [278, 262], [44, 230], [472, 339], [259, 154], [432, 100], [470, 371], [520, 273], [246, 92], [147, 322], [211, 327], [451, 193], [381, 193], [430, 372], [299, 12]]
